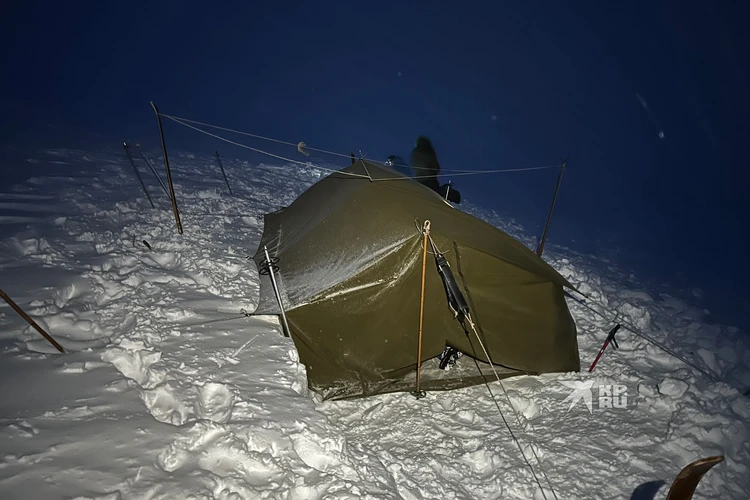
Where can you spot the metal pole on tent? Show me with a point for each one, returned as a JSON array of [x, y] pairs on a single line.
[[287, 332], [169, 172], [221, 166], [126, 147], [30, 321], [540, 249]]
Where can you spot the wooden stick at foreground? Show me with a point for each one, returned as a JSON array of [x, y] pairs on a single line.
[[30, 321]]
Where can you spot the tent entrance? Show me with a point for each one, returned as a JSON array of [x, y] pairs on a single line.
[[463, 374]]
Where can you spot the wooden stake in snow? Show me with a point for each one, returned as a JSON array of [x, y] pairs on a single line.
[[30, 321], [169, 172], [126, 147], [221, 166], [153, 170]]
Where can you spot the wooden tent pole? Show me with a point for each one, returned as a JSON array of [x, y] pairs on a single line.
[[426, 232], [25, 316], [169, 172]]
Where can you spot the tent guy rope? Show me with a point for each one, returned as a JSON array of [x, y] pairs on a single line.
[[515, 412], [445, 172], [235, 143], [638, 332]]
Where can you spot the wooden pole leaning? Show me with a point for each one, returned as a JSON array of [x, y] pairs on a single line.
[[419, 393], [221, 166], [126, 147], [30, 321], [540, 249], [169, 172]]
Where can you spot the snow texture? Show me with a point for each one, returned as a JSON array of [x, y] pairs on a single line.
[[169, 391]]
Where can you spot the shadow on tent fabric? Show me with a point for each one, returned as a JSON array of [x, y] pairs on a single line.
[[647, 491]]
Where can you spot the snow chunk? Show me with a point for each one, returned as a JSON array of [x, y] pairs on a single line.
[[673, 387]]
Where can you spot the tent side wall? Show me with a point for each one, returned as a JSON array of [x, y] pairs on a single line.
[[523, 319]]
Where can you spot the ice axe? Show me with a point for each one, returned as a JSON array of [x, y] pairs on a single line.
[[610, 338]]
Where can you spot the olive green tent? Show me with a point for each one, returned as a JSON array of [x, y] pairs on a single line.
[[348, 259]]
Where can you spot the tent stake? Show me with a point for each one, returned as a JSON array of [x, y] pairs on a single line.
[[25, 316], [169, 172], [540, 249], [287, 332], [126, 147], [221, 166], [418, 393]]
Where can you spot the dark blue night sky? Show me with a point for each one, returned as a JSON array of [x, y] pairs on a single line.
[[494, 85]]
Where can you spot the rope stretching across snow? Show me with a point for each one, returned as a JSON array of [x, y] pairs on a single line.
[[640, 333]]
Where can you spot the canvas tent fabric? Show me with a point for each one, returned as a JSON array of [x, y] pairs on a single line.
[[349, 253]]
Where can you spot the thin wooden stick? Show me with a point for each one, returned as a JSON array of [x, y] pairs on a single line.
[[221, 166], [426, 231], [30, 321], [540, 249], [169, 172], [126, 147], [153, 170]]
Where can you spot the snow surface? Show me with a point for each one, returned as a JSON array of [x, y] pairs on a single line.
[[169, 391]]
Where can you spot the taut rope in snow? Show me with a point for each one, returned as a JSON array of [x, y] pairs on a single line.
[[189, 124], [515, 412], [460, 308]]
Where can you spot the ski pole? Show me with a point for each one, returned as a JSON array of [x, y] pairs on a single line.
[[610, 338]]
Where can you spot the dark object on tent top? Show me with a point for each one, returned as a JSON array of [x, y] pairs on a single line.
[[350, 262], [425, 163], [446, 191]]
